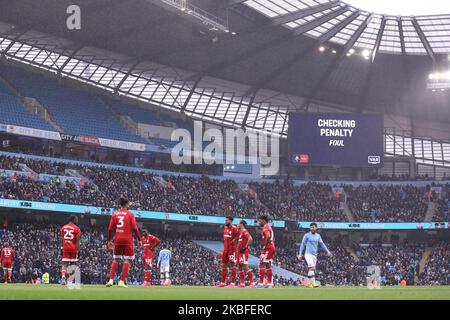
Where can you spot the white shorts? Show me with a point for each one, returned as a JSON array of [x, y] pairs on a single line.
[[123, 257], [164, 268], [311, 260]]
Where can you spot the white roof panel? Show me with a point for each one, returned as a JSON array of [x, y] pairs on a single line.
[[436, 28]]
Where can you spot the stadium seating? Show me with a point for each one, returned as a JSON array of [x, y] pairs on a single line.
[[76, 112], [437, 269], [387, 203], [207, 196], [397, 262], [442, 213], [147, 116], [136, 113], [310, 202], [13, 112]]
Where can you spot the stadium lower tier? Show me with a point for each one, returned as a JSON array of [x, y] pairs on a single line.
[[37, 250], [59, 181]]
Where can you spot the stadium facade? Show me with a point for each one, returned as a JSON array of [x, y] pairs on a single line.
[[114, 93]]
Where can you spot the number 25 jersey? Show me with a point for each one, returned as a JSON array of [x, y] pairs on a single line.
[[69, 234]]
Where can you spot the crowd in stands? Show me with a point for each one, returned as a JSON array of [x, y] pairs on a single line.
[[310, 201], [38, 166], [442, 212], [103, 186], [387, 203], [400, 177], [397, 261], [161, 162], [24, 188], [37, 248], [437, 270], [203, 195], [199, 195], [280, 199], [373, 177], [183, 194]]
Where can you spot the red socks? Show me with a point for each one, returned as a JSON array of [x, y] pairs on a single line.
[[262, 273], [233, 275], [148, 276], [269, 276], [250, 275], [241, 277], [114, 266], [223, 277], [125, 269], [63, 273]]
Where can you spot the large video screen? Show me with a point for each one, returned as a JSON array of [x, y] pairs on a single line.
[[327, 139]]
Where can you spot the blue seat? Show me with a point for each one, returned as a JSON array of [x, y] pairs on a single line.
[[147, 116], [12, 111], [75, 111]]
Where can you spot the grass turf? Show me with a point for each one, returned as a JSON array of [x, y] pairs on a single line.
[[55, 292]]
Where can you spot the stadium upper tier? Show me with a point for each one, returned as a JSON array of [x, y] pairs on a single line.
[[134, 112], [12, 111], [146, 116], [442, 212], [143, 115], [253, 76], [76, 112], [192, 194]]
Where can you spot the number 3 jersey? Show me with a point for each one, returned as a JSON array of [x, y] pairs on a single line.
[[124, 224], [69, 234]]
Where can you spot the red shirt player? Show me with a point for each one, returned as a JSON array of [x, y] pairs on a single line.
[[245, 239], [230, 239], [149, 243], [7, 261], [267, 253], [70, 244], [124, 225]]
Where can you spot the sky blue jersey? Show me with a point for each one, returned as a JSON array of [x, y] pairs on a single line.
[[164, 257], [310, 244]]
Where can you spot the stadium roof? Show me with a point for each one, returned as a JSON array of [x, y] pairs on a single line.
[[403, 7], [252, 79], [374, 31]]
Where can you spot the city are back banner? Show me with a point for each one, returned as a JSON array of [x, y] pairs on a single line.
[[353, 140]]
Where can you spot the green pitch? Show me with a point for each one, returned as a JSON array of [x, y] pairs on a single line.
[[24, 291]]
